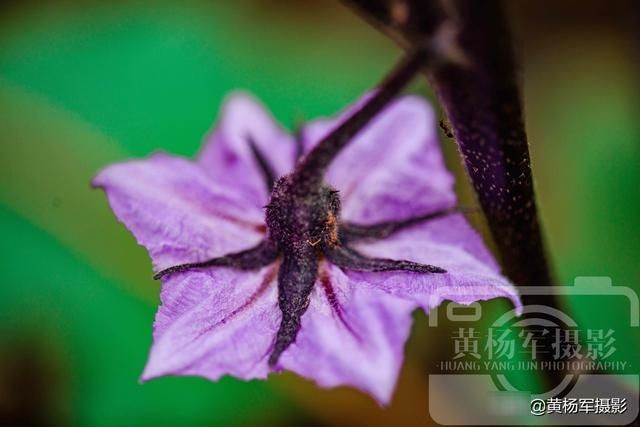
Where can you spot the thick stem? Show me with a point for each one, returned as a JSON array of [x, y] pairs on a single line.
[[481, 98], [484, 107], [483, 104]]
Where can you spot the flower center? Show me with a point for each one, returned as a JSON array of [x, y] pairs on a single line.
[[300, 215]]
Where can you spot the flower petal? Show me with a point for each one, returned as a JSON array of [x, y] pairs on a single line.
[[227, 156], [450, 243], [213, 323], [393, 168], [351, 335], [177, 212]]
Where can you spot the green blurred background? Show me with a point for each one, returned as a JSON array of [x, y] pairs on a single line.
[[84, 84]]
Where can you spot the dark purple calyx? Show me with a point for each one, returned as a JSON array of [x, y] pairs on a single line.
[[303, 219]]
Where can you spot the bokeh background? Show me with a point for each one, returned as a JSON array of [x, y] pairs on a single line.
[[84, 84]]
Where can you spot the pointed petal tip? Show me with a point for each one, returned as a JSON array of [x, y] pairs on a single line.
[[517, 304], [240, 96], [97, 181], [94, 183], [152, 369], [243, 103], [146, 376], [511, 293], [382, 395]]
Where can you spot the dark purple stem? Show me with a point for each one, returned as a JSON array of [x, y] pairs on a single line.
[[479, 93], [481, 98], [484, 107]]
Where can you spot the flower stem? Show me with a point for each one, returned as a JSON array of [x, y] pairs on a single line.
[[481, 98], [313, 166]]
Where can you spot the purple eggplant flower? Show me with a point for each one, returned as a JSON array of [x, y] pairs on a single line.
[[269, 261]]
